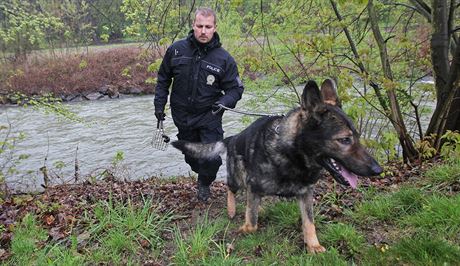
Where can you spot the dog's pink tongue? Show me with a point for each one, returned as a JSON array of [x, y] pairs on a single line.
[[350, 177]]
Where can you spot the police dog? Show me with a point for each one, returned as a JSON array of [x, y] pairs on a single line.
[[284, 156]]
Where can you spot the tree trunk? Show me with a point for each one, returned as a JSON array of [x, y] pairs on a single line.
[[453, 119], [409, 151], [446, 76]]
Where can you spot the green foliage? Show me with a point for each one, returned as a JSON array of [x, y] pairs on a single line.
[[388, 143], [425, 149], [49, 105], [159, 24], [155, 66], [451, 146], [126, 72], [25, 28], [119, 157], [83, 64], [9, 156]]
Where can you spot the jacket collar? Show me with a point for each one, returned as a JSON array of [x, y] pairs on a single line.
[[204, 47]]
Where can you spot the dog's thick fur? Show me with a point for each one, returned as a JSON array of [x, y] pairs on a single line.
[[284, 156]]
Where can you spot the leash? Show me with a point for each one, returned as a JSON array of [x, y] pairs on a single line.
[[160, 140], [243, 112]]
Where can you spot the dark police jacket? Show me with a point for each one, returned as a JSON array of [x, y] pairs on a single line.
[[201, 75]]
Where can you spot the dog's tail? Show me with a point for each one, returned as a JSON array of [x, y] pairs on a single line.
[[201, 150]]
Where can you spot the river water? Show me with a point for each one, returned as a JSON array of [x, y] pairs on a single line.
[[123, 125], [110, 126]]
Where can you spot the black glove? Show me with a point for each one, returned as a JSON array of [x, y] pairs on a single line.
[[216, 108], [160, 116]]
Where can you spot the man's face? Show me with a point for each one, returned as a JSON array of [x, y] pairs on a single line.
[[204, 28]]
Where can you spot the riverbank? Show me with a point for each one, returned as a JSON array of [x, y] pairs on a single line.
[[409, 215], [89, 75]]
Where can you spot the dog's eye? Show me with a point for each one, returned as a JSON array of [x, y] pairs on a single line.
[[345, 141]]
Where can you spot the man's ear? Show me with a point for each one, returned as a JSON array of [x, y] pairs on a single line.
[[311, 96]]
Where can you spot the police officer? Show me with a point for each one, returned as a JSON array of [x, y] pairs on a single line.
[[203, 76]]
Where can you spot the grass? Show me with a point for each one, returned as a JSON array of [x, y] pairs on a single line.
[[118, 233], [415, 224], [388, 206], [204, 244]]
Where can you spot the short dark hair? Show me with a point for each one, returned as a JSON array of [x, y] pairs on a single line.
[[207, 12]]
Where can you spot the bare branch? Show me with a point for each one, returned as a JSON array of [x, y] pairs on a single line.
[[422, 8]]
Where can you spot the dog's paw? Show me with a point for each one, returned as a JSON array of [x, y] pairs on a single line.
[[247, 228], [314, 249]]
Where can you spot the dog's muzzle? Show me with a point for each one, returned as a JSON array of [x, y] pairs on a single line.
[[340, 173]]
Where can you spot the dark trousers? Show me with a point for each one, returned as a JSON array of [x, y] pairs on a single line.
[[206, 169]]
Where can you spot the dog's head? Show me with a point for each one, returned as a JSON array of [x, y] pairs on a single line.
[[332, 134]]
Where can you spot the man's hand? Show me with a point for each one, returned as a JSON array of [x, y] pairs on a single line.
[[160, 116], [216, 108]]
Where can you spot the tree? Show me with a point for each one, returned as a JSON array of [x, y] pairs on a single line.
[[107, 19], [445, 56], [157, 21], [24, 28]]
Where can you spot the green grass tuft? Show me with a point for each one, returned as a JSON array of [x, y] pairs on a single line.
[[25, 245], [416, 250], [440, 215], [389, 207], [330, 257], [444, 174], [202, 244], [283, 214], [344, 237], [122, 228]]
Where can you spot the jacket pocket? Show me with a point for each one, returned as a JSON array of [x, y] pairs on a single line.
[[181, 66]]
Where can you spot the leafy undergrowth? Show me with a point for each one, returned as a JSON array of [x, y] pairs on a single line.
[[409, 216]]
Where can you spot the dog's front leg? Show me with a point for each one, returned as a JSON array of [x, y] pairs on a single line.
[[252, 212], [308, 226]]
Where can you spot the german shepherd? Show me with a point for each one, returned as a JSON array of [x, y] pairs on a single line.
[[284, 156]]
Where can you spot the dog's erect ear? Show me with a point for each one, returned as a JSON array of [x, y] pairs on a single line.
[[310, 96], [329, 93]]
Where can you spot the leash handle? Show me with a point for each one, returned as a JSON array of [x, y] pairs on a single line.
[[218, 110], [159, 124]]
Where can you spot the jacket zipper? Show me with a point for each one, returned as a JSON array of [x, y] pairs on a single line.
[[196, 71]]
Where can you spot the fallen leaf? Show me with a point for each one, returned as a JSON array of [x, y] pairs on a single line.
[[83, 237], [144, 243], [56, 233], [49, 220]]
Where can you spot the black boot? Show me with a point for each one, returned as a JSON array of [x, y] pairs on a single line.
[[204, 192]]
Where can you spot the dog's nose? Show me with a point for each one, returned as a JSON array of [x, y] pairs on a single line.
[[376, 168]]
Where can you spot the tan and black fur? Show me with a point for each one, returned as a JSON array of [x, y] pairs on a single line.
[[284, 156]]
